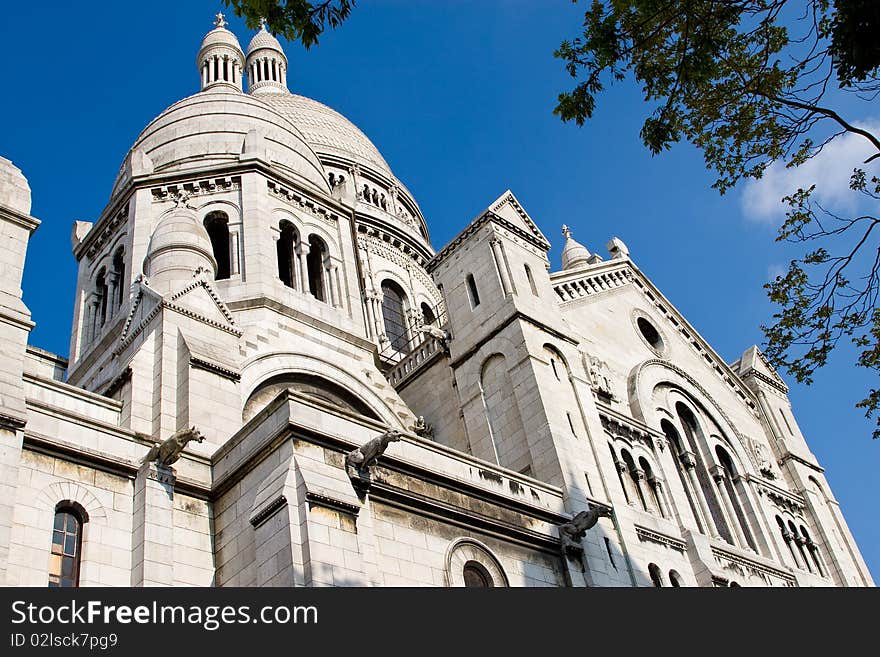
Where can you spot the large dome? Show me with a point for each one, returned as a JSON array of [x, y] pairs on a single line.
[[212, 126], [327, 131]]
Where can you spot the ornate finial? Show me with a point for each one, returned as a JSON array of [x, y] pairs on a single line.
[[263, 23], [219, 20], [566, 232]]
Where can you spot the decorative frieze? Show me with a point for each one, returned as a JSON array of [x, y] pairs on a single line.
[[98, 240], [627, 428], [302, 202], [781, 499], [654, 536], [175, 191], [746, 567]]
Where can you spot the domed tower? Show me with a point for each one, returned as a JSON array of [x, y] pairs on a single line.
[[180, 247], [266, 64], [252, 242], [220, 59]]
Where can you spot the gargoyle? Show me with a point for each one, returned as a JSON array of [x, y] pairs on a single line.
[[422, 428], [366, 455], [169, 451], [441, 335], [571, 533]]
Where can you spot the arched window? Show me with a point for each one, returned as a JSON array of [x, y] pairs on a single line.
[[620, 466], [691, 429], [730, 487], [813, 549], [676, 448], [66, 551], [315, 265], [286, 249], [119, 277], [428, 317], [799, 541], [635, 476], [394, 314], [653, 493], [476, 575], [101, 298], [472, 291], [531, 280], [788, 539], [675, 579], [217, 225], [656, 575]]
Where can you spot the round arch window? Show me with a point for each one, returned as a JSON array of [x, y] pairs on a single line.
[[650, 333], [476, 576]]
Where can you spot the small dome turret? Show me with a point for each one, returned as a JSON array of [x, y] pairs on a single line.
[[179, 246], [220, 59], [574, 254], [266, 64]]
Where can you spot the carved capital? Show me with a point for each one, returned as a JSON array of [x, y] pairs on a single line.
[[687, 459], [719, 474]]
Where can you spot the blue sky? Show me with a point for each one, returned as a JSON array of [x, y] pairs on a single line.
[[458, 96]]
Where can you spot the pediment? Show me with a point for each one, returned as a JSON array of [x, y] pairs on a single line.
[[197, 300], [508, 208]]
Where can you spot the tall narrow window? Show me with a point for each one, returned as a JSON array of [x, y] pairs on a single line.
[[531, 280], [656, 575], [315, 264], [119, 274], [285, 247], [393, 314], [472, 291], [692, 431], [428, 318], [101, 291], [217, 225], [676, 448], [730, 486], [66, 552]]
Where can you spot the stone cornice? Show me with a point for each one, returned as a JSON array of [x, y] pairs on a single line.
[[25, 221], [653, 535], [225, 372], [781, 498], [516, 315], [754, 566], [760, 376], [619, 424], [268, 511], [302, 201], [13, 422], [473, 227], [800, 459]]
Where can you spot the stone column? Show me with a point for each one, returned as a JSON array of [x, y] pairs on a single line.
[[329, 288], [690, 464], [657, 484], [302, 271], [720, 475], [337, 285], [153, 527], [628, 487], [643, 490], [497, 254]]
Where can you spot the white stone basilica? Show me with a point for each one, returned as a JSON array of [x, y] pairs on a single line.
[[335, 403]]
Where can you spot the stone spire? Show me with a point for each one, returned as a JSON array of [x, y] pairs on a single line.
[[220, 59], [266, 63], [574, 253]]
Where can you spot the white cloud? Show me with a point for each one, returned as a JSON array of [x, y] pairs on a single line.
[[775, 270], [830, 171]]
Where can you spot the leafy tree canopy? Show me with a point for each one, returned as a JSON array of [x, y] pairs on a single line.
[[295, 20], [751, 82]]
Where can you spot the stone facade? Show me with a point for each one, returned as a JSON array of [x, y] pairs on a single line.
[[261, 274]]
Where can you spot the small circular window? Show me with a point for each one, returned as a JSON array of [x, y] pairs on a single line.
[[650, 333], [476, 576]]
